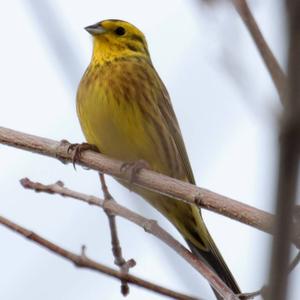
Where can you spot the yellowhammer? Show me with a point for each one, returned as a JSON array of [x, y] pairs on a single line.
[[125, 110]]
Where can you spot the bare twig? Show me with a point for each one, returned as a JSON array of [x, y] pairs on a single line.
[[146, 178], [265, 289], [295, 262], [296, 233], [148, 225], [84, 262], [116, 247], [48, 18], [263, 292], [268, 57], [289, 150], [248, 296]]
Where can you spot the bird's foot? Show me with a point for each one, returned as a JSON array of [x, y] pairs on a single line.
[[77, 150], [133, 168]]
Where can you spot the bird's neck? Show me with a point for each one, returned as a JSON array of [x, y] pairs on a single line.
[[104, 52]]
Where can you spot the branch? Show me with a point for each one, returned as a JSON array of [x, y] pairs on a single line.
[[289, 151], [148, 225], [116, 247], [294, 262], [145, 178], [264, 291], [84, 262], [277, 74]]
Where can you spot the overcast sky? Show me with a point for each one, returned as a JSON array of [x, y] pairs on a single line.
[[227, 108]]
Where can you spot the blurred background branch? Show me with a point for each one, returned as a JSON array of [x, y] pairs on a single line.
[[53, 29], [289, 150], [267, 55]]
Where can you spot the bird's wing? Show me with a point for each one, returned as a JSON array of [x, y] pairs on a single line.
[[167, 111]]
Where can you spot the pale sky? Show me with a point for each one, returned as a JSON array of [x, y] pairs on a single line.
[[227, 108]]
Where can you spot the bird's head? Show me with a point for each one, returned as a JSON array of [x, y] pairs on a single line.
[[116, 38]]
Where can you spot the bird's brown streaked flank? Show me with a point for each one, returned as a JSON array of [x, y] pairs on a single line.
[[125, 110]]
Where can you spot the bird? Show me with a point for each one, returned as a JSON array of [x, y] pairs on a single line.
[[125, 110]]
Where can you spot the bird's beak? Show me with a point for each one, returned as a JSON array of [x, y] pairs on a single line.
[[95, 29]]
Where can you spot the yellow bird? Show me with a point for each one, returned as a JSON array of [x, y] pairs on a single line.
[[125, 110]]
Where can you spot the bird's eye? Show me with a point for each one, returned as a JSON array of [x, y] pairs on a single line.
[[120, 31]]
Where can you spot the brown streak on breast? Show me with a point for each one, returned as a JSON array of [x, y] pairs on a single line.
[[160, 132]]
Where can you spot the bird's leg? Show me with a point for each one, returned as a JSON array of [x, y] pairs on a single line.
[[77, 150], [133, 168]]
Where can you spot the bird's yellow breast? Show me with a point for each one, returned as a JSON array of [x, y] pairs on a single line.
[[111, 107]]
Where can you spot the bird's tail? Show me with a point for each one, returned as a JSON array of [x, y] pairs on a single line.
[[215, 260]]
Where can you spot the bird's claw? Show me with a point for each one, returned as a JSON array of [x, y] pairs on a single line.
[[77, 150], [133, 168]]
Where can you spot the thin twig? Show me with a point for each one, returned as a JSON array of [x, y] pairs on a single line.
[[296, 223], [263, 292], [277, 74], [148, 225], [147, 179], [265, 289], [48, 18], [289, 150], [116, 247], [252, 295], [294, 263], [84, 262]]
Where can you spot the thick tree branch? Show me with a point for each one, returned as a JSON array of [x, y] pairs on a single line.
[[289, 150], [146, 178], [277, 74], [84, 262], [148, 225]]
